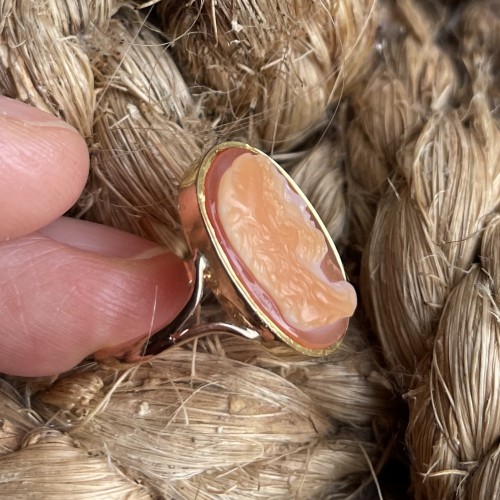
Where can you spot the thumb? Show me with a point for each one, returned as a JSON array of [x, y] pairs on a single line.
[[60, 303]]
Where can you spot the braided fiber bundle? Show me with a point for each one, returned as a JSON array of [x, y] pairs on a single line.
[[223, 418], [431, 264], [312, 51], [201, 425]]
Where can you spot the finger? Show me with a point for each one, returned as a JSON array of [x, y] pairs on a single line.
[[43, 168], [59, 304], [99, 238]]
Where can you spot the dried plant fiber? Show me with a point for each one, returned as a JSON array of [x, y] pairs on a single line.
[[431, 263], [201, 425], [312, 51], [386, 113], [224, 418]]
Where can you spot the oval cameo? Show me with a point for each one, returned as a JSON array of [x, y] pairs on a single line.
[[277, 248]]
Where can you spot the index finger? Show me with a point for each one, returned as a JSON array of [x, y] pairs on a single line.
[[43, 168]]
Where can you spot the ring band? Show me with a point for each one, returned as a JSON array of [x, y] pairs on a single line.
[[258, 244]]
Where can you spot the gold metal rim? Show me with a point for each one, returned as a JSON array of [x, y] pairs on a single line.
[[266, 321]]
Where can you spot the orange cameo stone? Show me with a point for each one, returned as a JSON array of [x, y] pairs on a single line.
[[277, 249]]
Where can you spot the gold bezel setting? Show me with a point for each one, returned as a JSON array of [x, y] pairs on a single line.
[[254, 313]]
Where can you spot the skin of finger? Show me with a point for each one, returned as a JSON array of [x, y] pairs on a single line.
[[59, 304], [100, 239], [44, 165]]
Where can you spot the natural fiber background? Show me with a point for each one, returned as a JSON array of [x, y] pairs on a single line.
[[386, 113]]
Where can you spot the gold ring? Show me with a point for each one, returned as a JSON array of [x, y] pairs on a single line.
[[258, 244]]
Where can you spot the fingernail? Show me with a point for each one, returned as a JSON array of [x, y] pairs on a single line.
[[19, 111]]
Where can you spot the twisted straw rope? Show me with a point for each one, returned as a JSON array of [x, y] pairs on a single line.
[[431, 264]]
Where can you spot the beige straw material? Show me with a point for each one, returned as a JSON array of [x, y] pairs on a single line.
[[274, 66], [37, 461], [352, 389], [321, 175], [456, 415], [430, 277], [413, 77], [479, 34], [45, 63], [426, 232], [15, 419], [459, 406], [265, 427], [52, 465], [443, 176]]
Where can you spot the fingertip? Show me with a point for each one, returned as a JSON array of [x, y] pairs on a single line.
[[44, 166]]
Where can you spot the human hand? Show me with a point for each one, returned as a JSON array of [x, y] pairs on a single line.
[[68, 288]]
